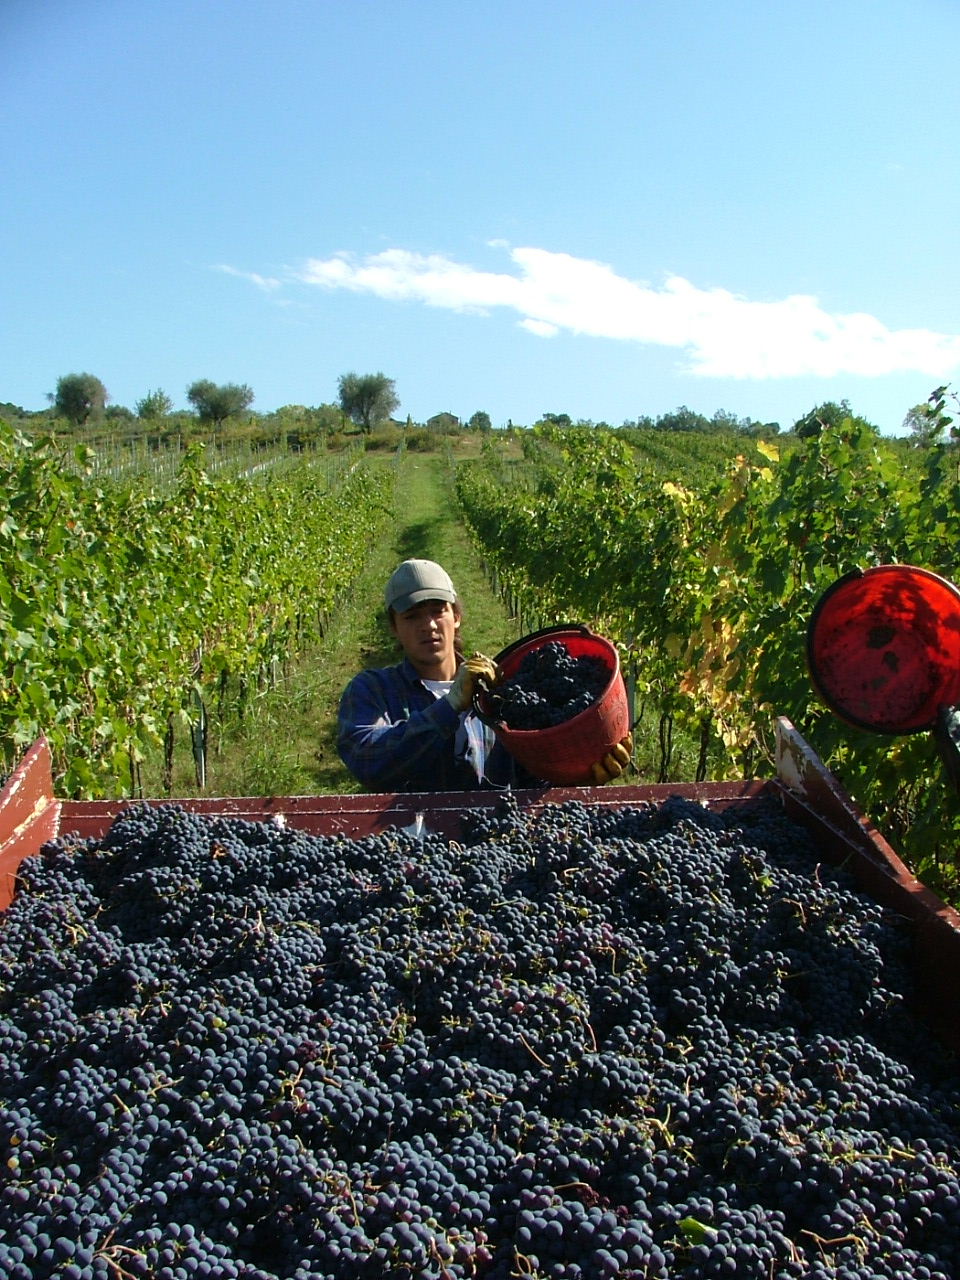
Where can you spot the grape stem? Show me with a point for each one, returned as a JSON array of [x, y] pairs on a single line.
[[533, 1053], [109, 1252]]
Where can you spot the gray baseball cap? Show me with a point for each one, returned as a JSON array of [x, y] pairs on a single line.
[[416, 581]]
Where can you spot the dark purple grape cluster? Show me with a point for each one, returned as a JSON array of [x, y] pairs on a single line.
[[647, 1042], [549, 687]]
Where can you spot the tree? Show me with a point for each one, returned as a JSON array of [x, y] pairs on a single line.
[[929, 423], [759, 430], [724, 420], [683, 419], [79, 395], [367, 398], [155, 404], [215, 403], [829, 414], [480, 421]]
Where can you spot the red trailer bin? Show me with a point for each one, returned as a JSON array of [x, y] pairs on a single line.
[[334, 1070]]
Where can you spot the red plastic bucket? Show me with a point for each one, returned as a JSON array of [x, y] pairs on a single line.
[[883, 648], [563, 753]]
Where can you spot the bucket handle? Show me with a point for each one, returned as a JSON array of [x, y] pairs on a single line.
[[481, 715]]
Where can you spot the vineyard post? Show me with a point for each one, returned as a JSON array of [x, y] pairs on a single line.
[[198, 738], [631, 681], [168, 747], [666, 745]]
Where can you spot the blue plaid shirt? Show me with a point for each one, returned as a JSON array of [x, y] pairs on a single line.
[[395, 734]]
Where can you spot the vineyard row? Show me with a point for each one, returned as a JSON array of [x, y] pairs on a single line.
[[708, 586], [124, 612]]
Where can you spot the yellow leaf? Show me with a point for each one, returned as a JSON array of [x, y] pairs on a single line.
[[768, 450], [675, 491]]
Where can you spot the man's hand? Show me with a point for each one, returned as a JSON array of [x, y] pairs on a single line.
[[476, 667], [614, 763]]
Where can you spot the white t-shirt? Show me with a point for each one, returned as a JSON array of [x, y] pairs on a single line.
[[439, 687]]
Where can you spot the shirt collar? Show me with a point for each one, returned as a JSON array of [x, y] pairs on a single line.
[[411, 673]]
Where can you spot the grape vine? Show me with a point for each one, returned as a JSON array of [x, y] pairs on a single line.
[[125, 610], [708, 588]]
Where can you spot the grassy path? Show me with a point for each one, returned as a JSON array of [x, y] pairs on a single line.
[[287, 746]]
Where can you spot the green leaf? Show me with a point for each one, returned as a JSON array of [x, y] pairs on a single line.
[[696, 1232]]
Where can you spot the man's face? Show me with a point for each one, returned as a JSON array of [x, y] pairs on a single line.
[[426, 633]]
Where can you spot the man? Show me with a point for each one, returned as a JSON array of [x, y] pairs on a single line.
[[411, 727]]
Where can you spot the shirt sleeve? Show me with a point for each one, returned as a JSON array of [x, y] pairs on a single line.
[[388, 751]]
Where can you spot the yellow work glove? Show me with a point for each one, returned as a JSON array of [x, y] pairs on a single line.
[[476, 667], [614, 762]]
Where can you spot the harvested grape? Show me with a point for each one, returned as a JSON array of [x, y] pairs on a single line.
[[584, 1042], [549, 687]]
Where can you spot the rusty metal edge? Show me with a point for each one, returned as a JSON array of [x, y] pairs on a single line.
[[358, 815], [29, 815], [813, 795]]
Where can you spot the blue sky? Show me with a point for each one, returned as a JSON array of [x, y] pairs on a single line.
[[606, 209]]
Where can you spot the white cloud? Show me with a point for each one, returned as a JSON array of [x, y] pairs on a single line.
[[542, 328], [402, 276], [267, 283], [723, 334]]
